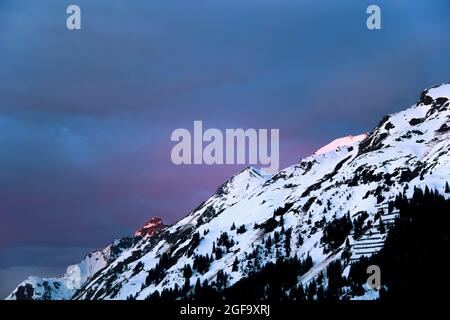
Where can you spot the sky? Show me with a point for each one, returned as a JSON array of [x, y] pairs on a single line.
[[86, 115]]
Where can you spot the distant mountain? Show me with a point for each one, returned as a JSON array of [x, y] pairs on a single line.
[[63, 288], [325, 213]]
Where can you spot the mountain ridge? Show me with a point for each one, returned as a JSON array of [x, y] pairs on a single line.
[[228, 233]]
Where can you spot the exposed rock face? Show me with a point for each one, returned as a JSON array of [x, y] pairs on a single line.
[[153, 226]]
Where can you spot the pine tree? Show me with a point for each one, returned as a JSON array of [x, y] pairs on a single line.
[[346, 253], [335, 280], [320, 293], [187, 271], [380, 198], [276, 237], [269, 243], [300, 293], [320, 278], [287, 242], [447, 188], [235, 265], [382, 229], [186, 286], [241, 229], [197, 288], [390, 207], [195, 241], [201, 263], [218, 253], [233, 226], [221, 279], [312, 290], [300, 239]]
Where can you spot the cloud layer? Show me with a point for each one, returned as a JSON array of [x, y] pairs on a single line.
[[86, 117]]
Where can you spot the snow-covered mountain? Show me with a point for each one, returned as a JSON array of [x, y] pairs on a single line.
[[244, 225], [340, 142], [63, 288]]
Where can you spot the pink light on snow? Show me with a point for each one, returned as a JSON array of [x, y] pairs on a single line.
[[151, 228], [340, 142]]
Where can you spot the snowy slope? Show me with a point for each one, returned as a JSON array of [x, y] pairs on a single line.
[[350, 175], [341, 142], [63, 288]]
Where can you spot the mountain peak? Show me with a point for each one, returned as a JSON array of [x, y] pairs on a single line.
[[248, 175], [440, 91], [431, 94], [153, 226], [257, 172], [340, 142], [243, 182]]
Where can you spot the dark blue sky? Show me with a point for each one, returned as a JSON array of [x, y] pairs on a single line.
[[86, 116]]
